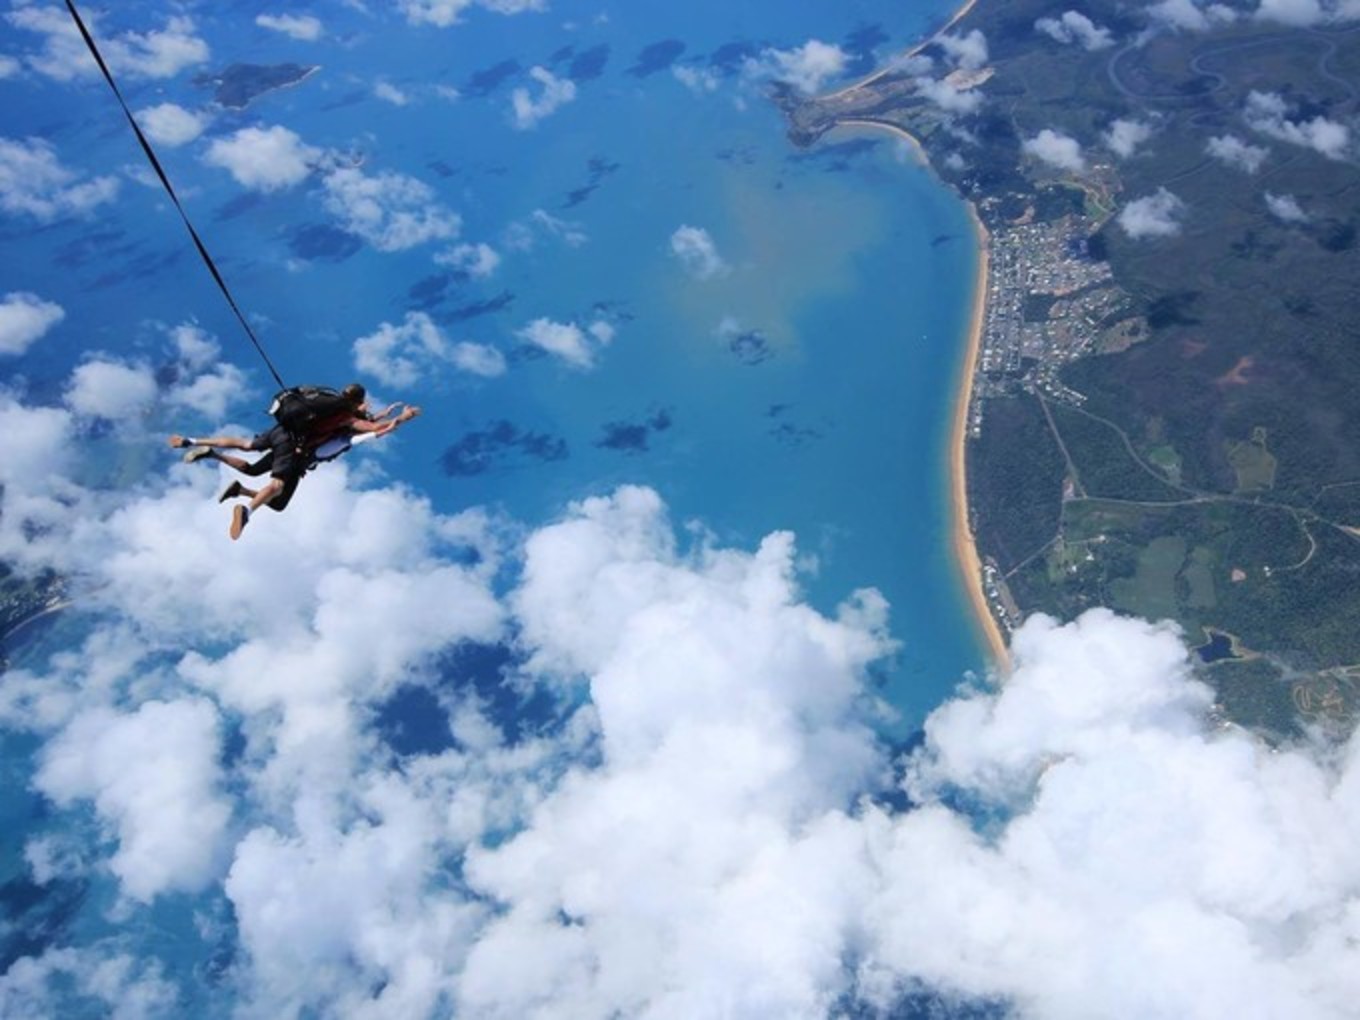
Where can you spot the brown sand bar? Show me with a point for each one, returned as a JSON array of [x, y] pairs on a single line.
[[965, 546]]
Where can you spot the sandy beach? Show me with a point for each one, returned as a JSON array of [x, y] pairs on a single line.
[[965, 547]]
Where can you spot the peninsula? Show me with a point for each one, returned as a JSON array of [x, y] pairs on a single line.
[[1158, 410]]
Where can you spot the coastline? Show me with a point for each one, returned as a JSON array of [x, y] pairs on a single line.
[[966, 557], [954, 19]]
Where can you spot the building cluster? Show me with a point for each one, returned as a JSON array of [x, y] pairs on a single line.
[[1048, 302]]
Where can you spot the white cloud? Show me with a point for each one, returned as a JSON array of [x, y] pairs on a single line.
[[1191, 15], [966, 51], [1056, 149], [444, 13], [303, 27], [699, 80], [1125, 135], [1236, 153], [528, 110], [105, 980], [522, 236], [1075, 27], [389, 93], [105, 387], [1308, 12], [24, 320], [567, 340], [9, 67], [402, 355], [390, 211], [806, 68], [1155, 215], [34, 183], [695, 249], [153, 777], [170, 125], [204, 383], [159, 53], [947, 97], [700, 825], [479, 261], [1285, 208], [1268, 113], [264, 159], [478, 359]]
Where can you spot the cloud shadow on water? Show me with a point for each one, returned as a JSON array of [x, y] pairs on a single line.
[[659, 56], [500, 446], [321, 242], [634, 436]]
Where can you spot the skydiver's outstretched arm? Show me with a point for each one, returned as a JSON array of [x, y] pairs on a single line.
[[381, 428]]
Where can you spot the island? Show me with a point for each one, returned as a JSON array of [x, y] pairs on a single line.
[[239, 85], [1158, 409]]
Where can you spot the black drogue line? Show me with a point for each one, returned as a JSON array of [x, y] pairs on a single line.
[[169, 190]]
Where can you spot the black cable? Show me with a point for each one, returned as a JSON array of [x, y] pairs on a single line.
[[169, 190]]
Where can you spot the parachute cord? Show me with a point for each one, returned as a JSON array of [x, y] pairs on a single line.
[[169, 190]]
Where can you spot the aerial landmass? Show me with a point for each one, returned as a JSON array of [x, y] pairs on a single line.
[[239, 85], [1160, 410]]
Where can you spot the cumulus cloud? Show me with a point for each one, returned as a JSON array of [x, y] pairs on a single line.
[[1236, 153], [1285, 208], [479, 261], [806, 68], [403, 355], [966, 51], [389, 93], [203, 383], [1308, 12], [1056, 149], [1125, 135], [153, 777], [33, 182], [695, 249], [171, 125], [523, 235], [528, 110], [1075, 27], [264, 159], [105, 387], [9, 67], [159, 53], [390, 211], [698, 79], [443, 13], [1268, 113], [947, 96], [701, 817], [24, 320], [1155, 215], [303, 27], [568, 341], [1190, 15]]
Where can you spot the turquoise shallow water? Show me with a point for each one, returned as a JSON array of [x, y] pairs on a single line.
[[808, 386]]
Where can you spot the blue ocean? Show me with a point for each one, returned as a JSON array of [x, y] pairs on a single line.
[[771, 338]]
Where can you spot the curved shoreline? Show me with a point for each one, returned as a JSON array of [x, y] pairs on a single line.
[[966, 558]]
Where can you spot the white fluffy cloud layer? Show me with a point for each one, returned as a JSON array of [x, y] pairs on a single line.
[[577, 346], [1056, 149], [24, 320], [1155, 215], [700, 832], [403, 355], [33, 182], [158, 53], [529, 106], [1309, 12], [1126, 134], [390, 211]]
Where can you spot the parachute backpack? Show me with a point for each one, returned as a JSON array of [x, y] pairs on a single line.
[[300, 408]]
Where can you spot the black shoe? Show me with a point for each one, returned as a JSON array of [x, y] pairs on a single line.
[[230, 492]]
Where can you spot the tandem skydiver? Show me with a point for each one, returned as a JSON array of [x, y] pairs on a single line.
[[321, 426]]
